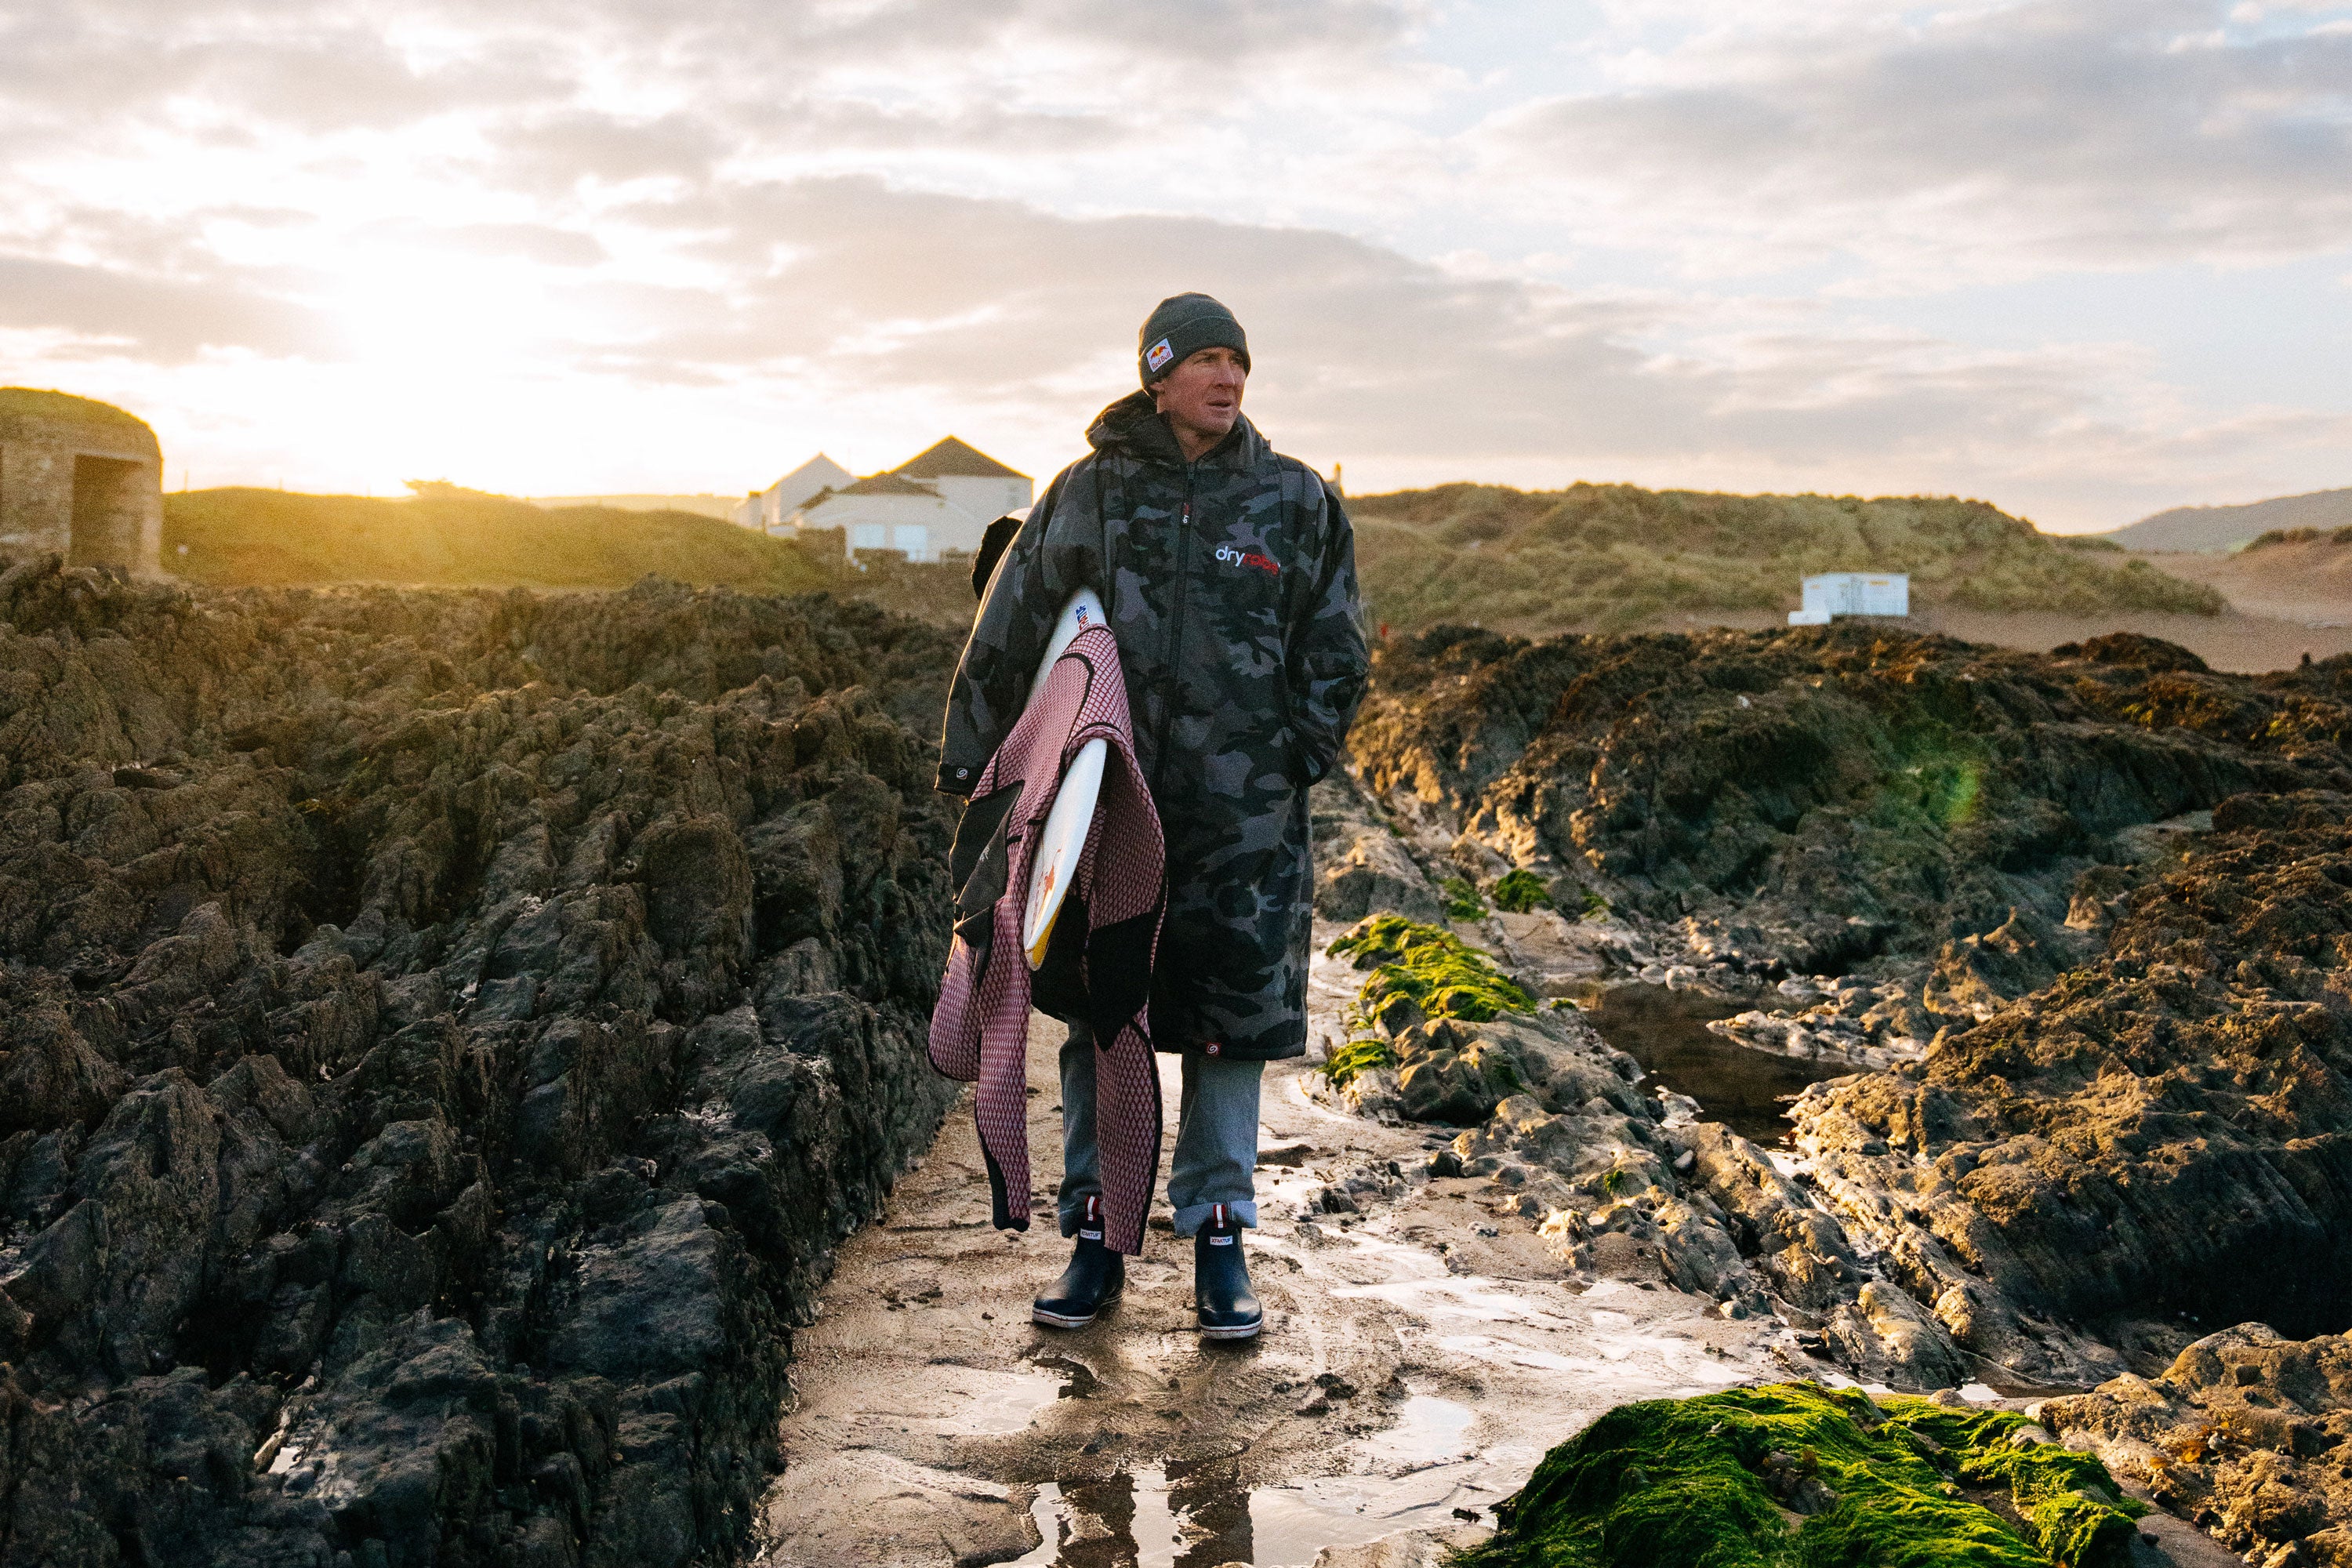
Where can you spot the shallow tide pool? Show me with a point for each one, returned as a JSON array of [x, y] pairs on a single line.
[[1667, 1031]]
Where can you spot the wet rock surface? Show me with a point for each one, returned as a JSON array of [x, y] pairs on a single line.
[[1624, 1182], [1419, 1354], [442, 1039], [2079, 921]]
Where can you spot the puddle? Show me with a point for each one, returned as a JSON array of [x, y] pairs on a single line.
[[1199, 1515], [1010, 1402], [1667, 1031], [1428, 1431], [974, 1401]]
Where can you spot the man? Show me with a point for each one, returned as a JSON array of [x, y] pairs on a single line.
[[1228, 575]]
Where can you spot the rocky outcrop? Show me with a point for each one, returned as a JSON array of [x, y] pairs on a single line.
[[1801, 803], [2086, 914], [2163, 1135], [1622, 1182], [2245, 1433], [441, 1038], [1733, 1477], [1362, 865]]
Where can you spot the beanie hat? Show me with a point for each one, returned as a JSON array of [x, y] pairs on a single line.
[[1184, 324]]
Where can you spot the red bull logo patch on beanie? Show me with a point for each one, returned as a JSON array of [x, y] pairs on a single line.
[[1159, 354]]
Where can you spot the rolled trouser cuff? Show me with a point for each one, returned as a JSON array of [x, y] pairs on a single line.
[[1192, 1216]]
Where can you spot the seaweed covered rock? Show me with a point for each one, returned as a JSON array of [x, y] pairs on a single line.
[[2084, 916], [1438, 1034], [1794, 1473], [2163, 1135], [1797, 803], [2246, 1432], [441, 1038]]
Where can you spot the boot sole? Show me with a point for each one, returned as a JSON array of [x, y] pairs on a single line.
[[1070, 1319], [1234, 1331]]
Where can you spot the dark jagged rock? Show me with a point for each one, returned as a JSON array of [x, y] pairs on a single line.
[[1800, 803], [441, 1038], [2095, 907]]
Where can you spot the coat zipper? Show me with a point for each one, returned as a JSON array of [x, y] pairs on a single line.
[[1175, 633]]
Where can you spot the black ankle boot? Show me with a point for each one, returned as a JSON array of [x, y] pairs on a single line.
[[1093, 1281], [1221, 1283]]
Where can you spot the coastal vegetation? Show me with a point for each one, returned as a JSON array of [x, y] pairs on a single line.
[[446, 535], [1612, 557]]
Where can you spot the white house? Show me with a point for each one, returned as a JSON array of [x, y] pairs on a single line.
[[768, 509], [969, 481], [1852, 594], [885, 511], [935, 504]]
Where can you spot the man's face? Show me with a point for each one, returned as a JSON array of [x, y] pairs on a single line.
[[1203, 395]]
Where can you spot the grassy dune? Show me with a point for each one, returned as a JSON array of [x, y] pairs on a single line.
[[458, 538], [1608, 557], [455, 538]]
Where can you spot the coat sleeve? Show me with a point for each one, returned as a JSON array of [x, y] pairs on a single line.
[[1327, 660], [1008, 636]]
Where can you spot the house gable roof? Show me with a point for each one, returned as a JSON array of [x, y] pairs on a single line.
[[887, 485], [952, 459], [818, 473]]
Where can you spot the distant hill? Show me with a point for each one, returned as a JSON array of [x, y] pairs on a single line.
[[447, 536], [721, 507], [1606, 557], [461, 538], [2226, 527]]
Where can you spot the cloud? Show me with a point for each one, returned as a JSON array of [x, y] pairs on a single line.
[[1996, 141], [644, 231], [164, 320], [1405, 369]]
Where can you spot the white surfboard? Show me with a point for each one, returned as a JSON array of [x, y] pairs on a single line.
[[1054, 864]]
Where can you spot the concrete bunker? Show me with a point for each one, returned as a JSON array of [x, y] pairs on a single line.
[[82, 477]]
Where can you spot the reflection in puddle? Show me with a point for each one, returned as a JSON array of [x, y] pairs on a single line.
[[1667, 1031], [1199, 1515]]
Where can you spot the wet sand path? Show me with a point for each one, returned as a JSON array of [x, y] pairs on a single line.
[[1419, 1359]]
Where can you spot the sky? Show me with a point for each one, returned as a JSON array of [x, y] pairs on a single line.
[[2084, 259]]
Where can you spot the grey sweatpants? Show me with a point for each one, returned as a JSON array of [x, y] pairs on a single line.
[[1216, 1136]]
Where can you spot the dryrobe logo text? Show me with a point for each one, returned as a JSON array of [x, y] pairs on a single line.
[[1233, 557], [1158, 355]]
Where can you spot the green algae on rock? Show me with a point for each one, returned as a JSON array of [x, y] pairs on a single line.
[[1797, 1474], [1362, 1054], [1433, 968], [1520, 891], [1462, 899]]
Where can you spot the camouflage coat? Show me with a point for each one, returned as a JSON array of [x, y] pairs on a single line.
[[1234, 600]]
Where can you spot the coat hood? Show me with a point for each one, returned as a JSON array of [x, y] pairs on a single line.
[[1132, 426]]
